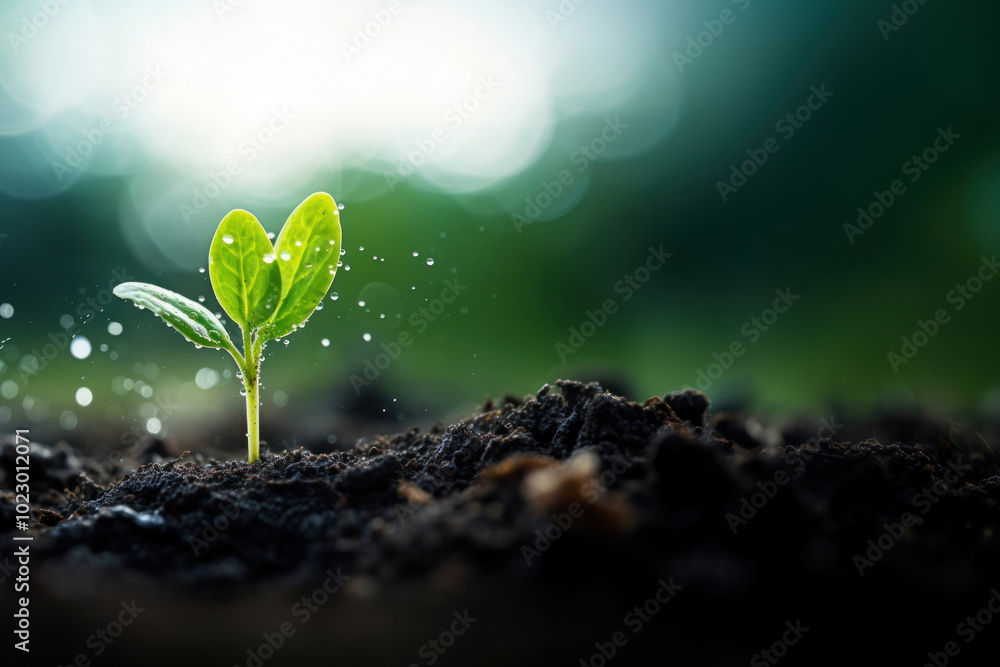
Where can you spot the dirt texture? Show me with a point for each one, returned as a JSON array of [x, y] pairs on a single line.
[[555, 520]]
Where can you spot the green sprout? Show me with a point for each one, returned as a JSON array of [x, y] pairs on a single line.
[[270, 291]]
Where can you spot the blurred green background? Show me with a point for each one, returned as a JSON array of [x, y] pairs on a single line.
[[444, 130]]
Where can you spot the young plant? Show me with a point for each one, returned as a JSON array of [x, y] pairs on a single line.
[[270, 291]]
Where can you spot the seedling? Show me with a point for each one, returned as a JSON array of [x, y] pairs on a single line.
[[270, 291]]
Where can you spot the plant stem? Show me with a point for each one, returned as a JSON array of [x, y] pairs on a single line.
[[251, 376]]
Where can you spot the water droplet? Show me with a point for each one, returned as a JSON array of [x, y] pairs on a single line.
[[201, 299], [286, 255], [334, 296], [416, 254], [80, 347], [325, 342], [333, 241], [84, 396], [347, 267], [6, 311], [430, 261], [343, 251], [361, 248], [361, 303], [298, 243], [340, 207], [114, 328], [268, 258], [367, 337], [201, 269], [270, 235], [227, 239]]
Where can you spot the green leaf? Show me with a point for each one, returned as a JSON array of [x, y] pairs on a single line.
[[245, 275], [190, 318], [308, 249]]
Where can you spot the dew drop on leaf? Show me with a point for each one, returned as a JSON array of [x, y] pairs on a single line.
[[325, 342], [367, 337], [286, 255], [430, 261], [227, 239], [268, 258], [334, 296]]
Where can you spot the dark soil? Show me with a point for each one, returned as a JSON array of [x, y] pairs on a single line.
[[550, 519]]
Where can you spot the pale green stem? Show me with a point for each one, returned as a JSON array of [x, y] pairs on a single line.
[[251, 377]]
